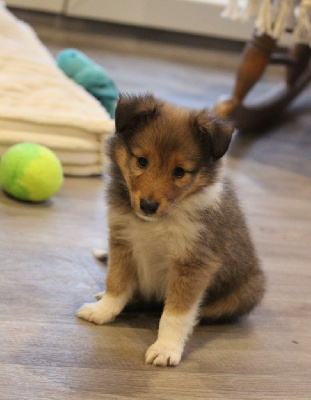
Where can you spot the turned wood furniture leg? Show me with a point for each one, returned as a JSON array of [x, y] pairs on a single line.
[[255, 57], [302, 54]]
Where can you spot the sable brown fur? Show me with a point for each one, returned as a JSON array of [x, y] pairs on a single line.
[[177, 233]]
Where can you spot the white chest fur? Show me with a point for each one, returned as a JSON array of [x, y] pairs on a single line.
[[156, 244]]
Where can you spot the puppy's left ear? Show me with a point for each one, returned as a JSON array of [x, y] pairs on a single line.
[[135, 111], [214, 133]]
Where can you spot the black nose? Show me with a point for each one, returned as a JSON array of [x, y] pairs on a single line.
[[149, 206]]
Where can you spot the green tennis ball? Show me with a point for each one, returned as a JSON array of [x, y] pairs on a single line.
[[30, 172]]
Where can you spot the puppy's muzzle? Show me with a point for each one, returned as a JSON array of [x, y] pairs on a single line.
[[149, 207]]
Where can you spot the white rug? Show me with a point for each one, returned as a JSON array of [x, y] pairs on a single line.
[[38, 103]]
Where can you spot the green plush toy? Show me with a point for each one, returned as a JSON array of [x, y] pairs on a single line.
[[84, 71], [30, 172]]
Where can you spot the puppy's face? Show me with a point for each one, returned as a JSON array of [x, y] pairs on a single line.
[[165, 153]]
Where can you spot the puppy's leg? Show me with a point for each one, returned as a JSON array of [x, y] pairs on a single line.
[[246, 295], [120, 287], [174, 330], [185, 291]]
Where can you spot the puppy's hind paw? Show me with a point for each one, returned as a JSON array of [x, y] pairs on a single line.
[[99, 296], [163, 355], [101, 255], [94, 312]]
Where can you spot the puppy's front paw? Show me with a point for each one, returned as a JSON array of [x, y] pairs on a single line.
[[96, 313], [163, 354]]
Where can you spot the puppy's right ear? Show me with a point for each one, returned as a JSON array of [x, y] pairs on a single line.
[[215, 133], [134, 112]]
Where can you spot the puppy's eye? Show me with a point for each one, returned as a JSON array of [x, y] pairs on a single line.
[[142, 162], [178, 172]]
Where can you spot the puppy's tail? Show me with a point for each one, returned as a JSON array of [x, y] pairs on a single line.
[[101, 255]]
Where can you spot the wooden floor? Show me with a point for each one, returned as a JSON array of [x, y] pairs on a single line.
[[47, 270]]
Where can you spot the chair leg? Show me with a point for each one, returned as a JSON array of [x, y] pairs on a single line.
[[255, 58], [258, 116], [302, 54]]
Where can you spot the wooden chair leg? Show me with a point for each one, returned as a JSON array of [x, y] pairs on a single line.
[[302, 54], [255, 58]]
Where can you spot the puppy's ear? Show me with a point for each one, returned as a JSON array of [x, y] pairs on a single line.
[[134, 112], [215, 133]]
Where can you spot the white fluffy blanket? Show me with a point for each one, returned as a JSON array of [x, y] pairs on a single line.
[[38, 103]]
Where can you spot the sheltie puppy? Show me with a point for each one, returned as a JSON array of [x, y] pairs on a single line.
[[177, 234]]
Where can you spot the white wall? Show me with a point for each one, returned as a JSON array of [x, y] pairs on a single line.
[[55, 6], [192, 16]]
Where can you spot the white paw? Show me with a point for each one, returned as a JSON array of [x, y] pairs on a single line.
[[163, 354], [96, 313]]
